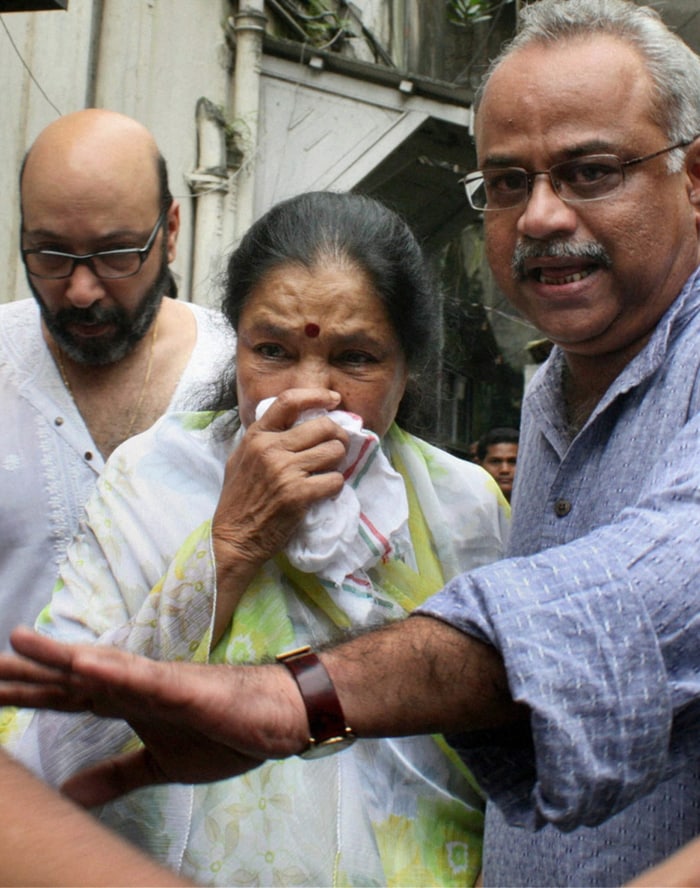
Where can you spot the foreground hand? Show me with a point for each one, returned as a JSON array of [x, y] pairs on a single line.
[[680, 870], [198, 722]]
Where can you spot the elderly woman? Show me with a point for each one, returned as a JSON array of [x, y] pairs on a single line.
[[305, 512]]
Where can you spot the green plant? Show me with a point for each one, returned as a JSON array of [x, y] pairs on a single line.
[[468, 12], [318, 22]]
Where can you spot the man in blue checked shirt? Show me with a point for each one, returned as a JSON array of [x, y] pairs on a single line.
[[568, 674]]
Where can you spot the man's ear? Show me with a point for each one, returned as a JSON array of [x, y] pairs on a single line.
[[692, 166], [172, 227]]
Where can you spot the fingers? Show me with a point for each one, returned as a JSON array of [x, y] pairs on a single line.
[[285, 410], [41, 696], [102, 679], [187, 759], [271, 479], [122, 684], [315, 440], [13, 668], [313, 447], [112, 778], [274, 453], [24, 682], [40, 648], [319, 444], [125, 675]]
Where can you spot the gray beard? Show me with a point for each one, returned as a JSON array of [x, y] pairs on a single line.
[[131, 327]]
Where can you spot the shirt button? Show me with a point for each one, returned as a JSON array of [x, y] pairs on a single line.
[[58, 421], [562, 508], [88, 455]]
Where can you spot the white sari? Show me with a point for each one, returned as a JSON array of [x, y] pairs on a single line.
[[384, 812]]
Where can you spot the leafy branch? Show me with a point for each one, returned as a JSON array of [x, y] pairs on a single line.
[[468, 12]]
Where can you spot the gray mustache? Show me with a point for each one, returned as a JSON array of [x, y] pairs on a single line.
[[557, 250]]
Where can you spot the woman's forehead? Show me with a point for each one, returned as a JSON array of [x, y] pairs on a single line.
[[331, 289]]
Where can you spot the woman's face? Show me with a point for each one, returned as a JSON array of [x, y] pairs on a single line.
[[320, 327]]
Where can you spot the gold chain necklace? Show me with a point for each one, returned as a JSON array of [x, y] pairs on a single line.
[[144, 385]]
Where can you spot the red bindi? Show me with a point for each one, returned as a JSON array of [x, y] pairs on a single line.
[[312, 330]]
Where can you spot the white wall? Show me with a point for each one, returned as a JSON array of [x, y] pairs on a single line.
[[151, 59]]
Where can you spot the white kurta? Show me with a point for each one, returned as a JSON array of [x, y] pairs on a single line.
[[48, 462]]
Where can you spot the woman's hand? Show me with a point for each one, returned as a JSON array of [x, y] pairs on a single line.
[[277, 472]]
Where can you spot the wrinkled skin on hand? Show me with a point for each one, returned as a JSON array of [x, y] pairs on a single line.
[[272, 478], [205, 722]]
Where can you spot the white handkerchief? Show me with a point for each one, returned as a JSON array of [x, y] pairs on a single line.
[[365, 522]]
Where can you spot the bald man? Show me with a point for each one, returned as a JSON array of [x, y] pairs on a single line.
[[99, 353]]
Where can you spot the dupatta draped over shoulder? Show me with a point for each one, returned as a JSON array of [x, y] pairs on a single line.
[[141, 575]]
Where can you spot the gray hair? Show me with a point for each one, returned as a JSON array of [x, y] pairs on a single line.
[[673, 67]]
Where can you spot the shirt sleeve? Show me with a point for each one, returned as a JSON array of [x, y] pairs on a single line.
[[600, 639]]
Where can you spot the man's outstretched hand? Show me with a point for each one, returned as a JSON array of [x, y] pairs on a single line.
[[203, 722], [198, 722]]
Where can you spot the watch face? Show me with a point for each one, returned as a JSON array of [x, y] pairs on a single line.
[[328, 747]]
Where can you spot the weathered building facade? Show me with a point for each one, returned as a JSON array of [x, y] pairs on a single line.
[[252, 101]]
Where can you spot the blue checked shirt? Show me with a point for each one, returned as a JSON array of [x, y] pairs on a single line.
[[597, 617]]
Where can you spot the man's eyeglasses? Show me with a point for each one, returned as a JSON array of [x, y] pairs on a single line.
[[592, 177], [105, 264]]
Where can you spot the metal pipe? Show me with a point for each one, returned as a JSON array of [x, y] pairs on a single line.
[[209, 185], [249, 29]]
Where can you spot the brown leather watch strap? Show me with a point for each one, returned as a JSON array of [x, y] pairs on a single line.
[[323, 710]]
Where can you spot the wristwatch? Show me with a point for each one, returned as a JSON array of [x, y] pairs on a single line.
[[329, 733]]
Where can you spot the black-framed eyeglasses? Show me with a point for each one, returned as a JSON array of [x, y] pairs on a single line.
[[592, 177], [105, 264]]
